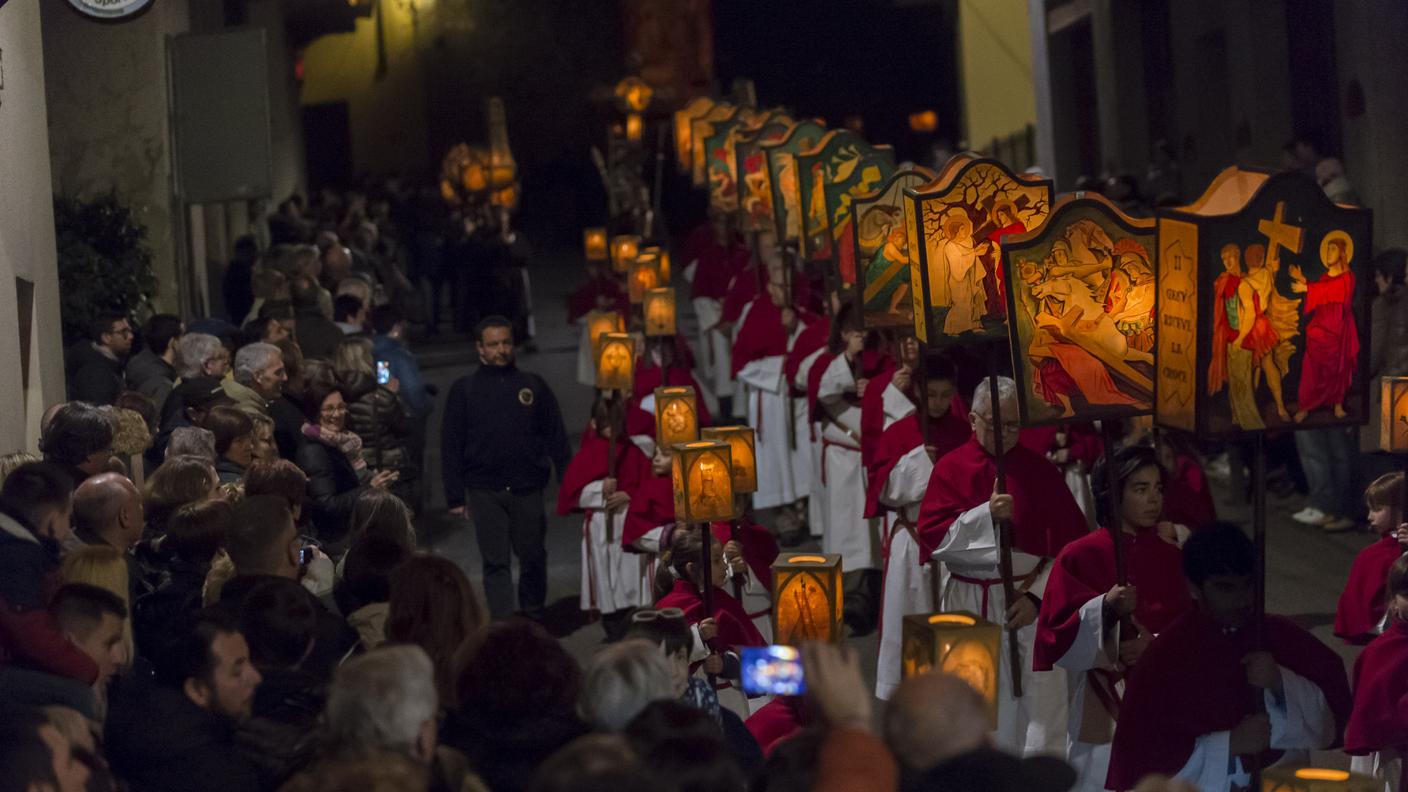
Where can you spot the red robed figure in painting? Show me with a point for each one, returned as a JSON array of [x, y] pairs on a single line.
[[1005, 215], [1331, 337]]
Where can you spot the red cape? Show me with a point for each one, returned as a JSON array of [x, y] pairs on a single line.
[[652, 505], [743, 288], [590, 464], [584, 299], [1380, 717], [1044, 518], [1188, 496], [762, 335], [1362, 604], [812, 338], [945, 434], [648, 378], [1191, 682], [759, 547], [699, 239], [735, 627], [776, 721], [1082, 440], [716, 270], [1085, 569]]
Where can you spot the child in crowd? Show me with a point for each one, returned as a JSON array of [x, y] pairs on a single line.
[[1360, 614], [751, 580], [1377, 732]]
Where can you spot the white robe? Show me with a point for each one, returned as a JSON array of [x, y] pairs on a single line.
[[586, 362], [1383, 765], [767, 404], [1302, 722], [811, 433], [848, 532], [611, 575], [1092, 648], [909, 584], [1035, 723]]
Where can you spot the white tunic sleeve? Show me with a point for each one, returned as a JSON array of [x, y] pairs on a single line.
[[708, 311], [837, 379], [908, 480], [1088, 650], [1302, 719], [897, 405], [1211, 767], [650, 541], [689, 270], [763, 374], [591, 497], [970, 541]]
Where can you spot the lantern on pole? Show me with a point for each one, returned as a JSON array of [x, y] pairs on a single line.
[[703, 483], [600, 323], [594, 244], [633, 94], [1316, 779], [624, 249], [958, 643], [741, 440], [1393, 418], [634, 126], [662, 261], [659, 308], [642, 278], [806, 598], [676, 415], [615, 362]]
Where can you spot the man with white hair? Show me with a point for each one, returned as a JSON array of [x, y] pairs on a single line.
[[621, 680], [385, 700], [259, 378], [957, 526], [201, 355]]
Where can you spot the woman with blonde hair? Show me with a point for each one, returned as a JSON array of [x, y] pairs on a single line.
[[12, 460], [105, 567]]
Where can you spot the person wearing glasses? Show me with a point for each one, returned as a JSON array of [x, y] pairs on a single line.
[[957, 526], [95, 365]]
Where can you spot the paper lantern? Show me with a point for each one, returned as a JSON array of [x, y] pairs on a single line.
[[662, 261], [703, 484], [676, 416], [600, 323], [615, 361], [634, 94], [745, 460], [658, 305], [634, 125], [594, 244], [1048, 273], [624, 248], [1393, 426], [806, 598], [1271, 250], [643, 276], [958, 643], [1316, 779]]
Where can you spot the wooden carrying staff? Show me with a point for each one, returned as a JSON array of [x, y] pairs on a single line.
[[616, 425], [1004, 531]]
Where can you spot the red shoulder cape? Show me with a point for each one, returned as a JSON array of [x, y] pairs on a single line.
[[735, 627], [650, 377], [1362, 604], [583, 300], [1044, 518], [1380, 717], [1191, 682], [760, 336], [742, 289], [812, 338], [716, 270], [1082, 440], [652, 505], [589, 465], [1085, 569], [903, 436]]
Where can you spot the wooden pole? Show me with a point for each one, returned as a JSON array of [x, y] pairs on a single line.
[[733, 536], [1112, 501], [611, 458], [1002, 527], [1258, 578]]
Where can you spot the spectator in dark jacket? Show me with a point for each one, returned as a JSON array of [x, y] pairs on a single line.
[[79, 438], [374, 411], [36, 502], [234, 442], [331, 455], [389, 344], [349, 313], [317, 334], [152, 371], [193, 535], [179, 732], [94, 366], [187, 406]]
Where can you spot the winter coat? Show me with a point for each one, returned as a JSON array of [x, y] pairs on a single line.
[[333, 485], [29, 637], [93, 375], [376, 415], [151, 376], [158, 740]]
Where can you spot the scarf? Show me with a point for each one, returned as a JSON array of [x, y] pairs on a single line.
[[347, 442]]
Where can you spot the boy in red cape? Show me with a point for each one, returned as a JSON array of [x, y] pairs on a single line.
[[899, 471], [1377, 733], [1094, 628], [1189, 711], [650, 516], [667, 362], [751, 583], [1360, 613], [611, 575]]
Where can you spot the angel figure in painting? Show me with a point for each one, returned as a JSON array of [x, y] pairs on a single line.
[[1231, 364], [1331, 337], [887, 279], [1269, 321], [956, 272]]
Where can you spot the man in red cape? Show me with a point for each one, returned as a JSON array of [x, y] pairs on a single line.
[[899, 471], [957, 527], [1362, 604], [1093, 627], [1377, 732], [1207, 694]]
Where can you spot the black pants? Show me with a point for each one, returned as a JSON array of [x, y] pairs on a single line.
[[510, 524]]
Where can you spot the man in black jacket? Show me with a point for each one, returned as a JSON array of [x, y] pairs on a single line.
[[502, 434], [95, 365]]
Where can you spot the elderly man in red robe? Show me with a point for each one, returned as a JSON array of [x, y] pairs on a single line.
[[1215, 690], [1095, 628], [957, 527]]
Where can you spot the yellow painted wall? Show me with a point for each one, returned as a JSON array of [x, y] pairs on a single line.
[[996, 63], [387, 115]]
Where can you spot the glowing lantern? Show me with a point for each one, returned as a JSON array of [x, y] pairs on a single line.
[[662, 261], [624, 248], [1393, 427], [806, 598], [594, 243], [634, 94], [1316, 779], [676, 416], [957, 643], [703, 484], [600, 323], [633, 127], [659, 308], [745, 461], [447, 191], [643, 277], [924, 121], [615, 361]]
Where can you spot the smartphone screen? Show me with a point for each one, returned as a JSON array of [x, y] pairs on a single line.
[[773, 670], [383, 372]]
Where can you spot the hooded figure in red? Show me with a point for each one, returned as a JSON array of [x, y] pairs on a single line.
[[1189, 708]]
